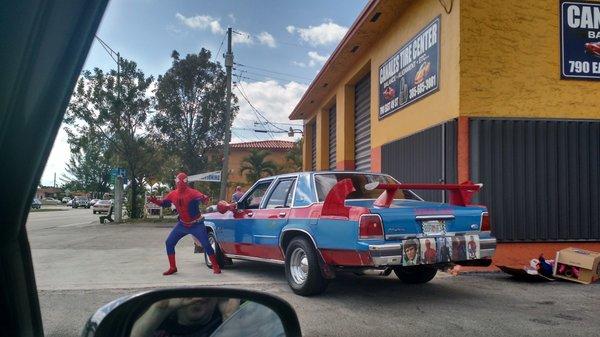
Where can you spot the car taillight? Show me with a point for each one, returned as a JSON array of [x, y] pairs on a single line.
[[370, 227], [485, 222]]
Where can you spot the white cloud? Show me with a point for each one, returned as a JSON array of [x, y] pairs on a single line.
[[201, 22], [326, 33], [316, 58], [232, 17], [267, 39], [299, 64], [241, 37], [275, 101]]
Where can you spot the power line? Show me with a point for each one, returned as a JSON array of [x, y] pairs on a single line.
[[107, 48], [250, 36], [239, 76], [255, 109], [292, 124], [218, 51], [267, 76], [256, 112], [272, 71]]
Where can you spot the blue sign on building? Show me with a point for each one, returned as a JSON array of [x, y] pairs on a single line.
[[580, 39], [412, 72]]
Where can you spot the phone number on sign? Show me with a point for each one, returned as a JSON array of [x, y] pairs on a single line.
[[422, 87]]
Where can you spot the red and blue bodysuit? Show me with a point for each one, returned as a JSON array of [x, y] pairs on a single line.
[[187, 202]]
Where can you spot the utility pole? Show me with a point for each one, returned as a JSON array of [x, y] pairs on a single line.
[[118, 199], [225, 168], [119, 180]]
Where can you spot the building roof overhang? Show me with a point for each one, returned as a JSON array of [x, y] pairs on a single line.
[[371, 23]]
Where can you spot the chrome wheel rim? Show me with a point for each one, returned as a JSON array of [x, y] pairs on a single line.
[[213, 244], [299, 266]]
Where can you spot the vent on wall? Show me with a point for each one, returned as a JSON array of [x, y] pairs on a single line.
[[375, 17]]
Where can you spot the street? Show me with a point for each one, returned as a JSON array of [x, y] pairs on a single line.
[[81, 265]]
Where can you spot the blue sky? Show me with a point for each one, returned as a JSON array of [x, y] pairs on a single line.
[[280, 47]]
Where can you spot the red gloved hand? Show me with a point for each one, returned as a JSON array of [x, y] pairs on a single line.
[[154, 200]]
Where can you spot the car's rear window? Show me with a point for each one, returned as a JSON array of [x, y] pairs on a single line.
[[325, 182]]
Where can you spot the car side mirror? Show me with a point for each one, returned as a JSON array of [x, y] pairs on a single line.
[[205, 311]]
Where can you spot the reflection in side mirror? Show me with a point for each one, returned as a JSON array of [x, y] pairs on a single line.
[[195, 312]]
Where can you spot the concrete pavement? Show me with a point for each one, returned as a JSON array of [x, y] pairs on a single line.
[[80, 267]]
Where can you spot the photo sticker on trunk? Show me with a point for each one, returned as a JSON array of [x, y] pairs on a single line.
[[472, 247], [444, 249], [459, 248], [428, 251], [411, 256]]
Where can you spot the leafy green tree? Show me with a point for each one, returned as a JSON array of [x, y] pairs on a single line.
[[255, 166], [115, 108], [89, 165], [190, 109]]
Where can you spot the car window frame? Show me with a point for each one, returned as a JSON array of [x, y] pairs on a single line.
[[314, 183], [253, 188], [291, 190]]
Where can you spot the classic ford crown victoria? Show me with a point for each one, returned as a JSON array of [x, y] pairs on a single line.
[[320, 223]]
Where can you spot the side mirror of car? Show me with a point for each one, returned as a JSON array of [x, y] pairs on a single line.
[[201, 311]]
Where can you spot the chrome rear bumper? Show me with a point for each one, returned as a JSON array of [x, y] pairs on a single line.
[[390, 254]]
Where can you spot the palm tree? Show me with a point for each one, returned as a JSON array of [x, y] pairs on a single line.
[[255, 165], [293, 158]]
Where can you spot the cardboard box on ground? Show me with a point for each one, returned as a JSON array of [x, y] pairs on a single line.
[[578, 265]]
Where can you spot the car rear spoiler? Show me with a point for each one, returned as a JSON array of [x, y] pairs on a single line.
[[460, 194], [334, 201]]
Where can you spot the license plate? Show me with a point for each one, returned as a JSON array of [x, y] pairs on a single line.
[[433, 227]]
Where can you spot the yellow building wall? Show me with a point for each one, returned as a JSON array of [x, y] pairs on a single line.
[[432, 110], [510, 63], [435, 108]]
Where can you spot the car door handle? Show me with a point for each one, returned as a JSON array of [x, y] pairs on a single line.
[[250, 214], [282, 215]]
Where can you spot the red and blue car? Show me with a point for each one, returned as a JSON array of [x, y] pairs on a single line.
[[321, 223]]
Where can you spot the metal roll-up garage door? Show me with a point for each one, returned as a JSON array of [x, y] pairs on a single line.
[[362, 124], [428, 156], [313, 145], [332, 139], [541, 178]]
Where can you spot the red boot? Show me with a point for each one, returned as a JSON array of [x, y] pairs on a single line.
[[215, 265], [172, 266]]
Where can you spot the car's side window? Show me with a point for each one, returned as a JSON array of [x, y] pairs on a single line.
[[281, 196], [253, 199]]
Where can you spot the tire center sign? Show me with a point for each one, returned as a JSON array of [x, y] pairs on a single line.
[[412, 72], [580, 40]]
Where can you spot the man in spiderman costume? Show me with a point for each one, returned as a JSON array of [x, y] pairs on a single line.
[[187, 202]]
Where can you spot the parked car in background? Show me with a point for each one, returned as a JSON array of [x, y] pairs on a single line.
[[81, 202], [50, 201], [70, 202], [101, 206], [93, 202], [65, 200], [36, 204], [319, 223]]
